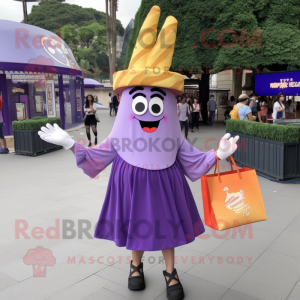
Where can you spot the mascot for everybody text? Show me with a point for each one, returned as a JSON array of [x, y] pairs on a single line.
[[148, 204]]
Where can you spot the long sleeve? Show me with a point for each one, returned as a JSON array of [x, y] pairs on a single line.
[[194, 162], [94, 160]]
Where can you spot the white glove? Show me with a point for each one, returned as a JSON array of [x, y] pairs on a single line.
[[227, 146], [55, 135]]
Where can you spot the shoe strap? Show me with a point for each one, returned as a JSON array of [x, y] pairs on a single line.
[[136, 269], [171, 276]]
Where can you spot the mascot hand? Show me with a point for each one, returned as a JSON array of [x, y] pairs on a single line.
[[227, 146], [55, 135]]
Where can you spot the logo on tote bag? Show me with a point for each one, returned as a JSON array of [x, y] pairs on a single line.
[[235, 202]]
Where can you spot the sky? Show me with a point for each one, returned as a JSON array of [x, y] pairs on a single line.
[[13, 10]]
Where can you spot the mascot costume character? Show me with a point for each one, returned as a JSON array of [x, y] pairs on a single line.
[[148, 204]]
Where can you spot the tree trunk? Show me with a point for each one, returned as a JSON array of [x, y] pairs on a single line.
[[237, 83], [204, 94], [25, 12], [111, 12]]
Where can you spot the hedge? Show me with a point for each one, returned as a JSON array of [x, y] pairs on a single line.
[[279, 133], [35, 123]]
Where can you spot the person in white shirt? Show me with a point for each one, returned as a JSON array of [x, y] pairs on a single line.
[[90, 109], [196, 110], [110, 95], [183, 111], [279, 108]]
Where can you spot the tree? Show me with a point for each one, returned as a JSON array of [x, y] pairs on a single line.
[[53, 14], [228, 34], [86, 42], [111, 11], [70, 36]]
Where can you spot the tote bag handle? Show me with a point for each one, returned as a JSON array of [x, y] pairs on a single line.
[[231, 161]]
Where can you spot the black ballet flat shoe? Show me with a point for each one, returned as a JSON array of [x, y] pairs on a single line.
[[96, 141], [90, 144], [174, 292], [136, 283]]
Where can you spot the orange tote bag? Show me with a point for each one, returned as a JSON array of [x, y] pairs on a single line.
[[232, 199]]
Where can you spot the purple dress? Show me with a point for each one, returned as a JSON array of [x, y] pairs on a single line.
[[143, 209]]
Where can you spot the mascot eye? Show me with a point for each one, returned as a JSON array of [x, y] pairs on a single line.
[[139, 105], [156, 106]]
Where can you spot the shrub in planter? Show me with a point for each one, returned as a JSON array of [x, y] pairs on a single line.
[[35, 123], [270, 149], [279, 133], [27, 140]]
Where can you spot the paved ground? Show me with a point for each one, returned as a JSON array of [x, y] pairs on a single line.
[[42, 189]]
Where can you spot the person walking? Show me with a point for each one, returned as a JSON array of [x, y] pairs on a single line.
[[279, 107], [254, 104], [110, 102], [196, 110], [3, 149], [211, 108], [190, 118], [115, 103], [90, 109], [183, 113]]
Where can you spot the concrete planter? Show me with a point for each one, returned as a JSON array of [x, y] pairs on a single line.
[[29, 143], [275, 159]]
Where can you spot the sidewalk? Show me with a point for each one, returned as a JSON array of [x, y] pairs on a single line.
[[230, 265]]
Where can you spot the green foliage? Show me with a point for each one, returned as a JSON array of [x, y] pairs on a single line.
[[121, 61], [277, 23], [35, 123], [93, 72], [70, 36], [87, 43], [53, 14], [279, 133]]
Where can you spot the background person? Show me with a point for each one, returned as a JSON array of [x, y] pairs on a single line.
[[211, 108], [183, 113], [279, 108], [264, 108], [244, 111], [90, 109], [111, 107], [3, 149], [195, 114], [256, 109], [190, 103], [115, 103], [251, 101]]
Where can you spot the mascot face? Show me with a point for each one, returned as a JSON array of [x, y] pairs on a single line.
[[149, 111], [147, 130]]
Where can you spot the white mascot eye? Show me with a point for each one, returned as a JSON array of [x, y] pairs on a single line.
[[156, 106], [139, 105]]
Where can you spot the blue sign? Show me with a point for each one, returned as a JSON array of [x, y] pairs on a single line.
[[272, 84]]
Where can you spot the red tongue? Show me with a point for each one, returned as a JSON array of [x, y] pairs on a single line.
[[149, 130]]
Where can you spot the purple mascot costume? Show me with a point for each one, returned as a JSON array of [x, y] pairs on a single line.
[[148, 204]]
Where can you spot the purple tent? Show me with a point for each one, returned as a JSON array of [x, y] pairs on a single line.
[[30, 50], [92, 84]]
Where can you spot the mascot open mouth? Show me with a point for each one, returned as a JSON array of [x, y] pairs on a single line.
[[149, 126]]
